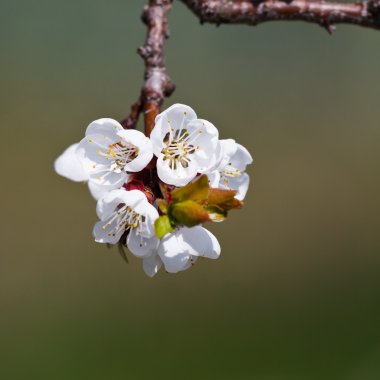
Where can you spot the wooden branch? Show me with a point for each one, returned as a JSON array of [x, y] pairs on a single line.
[[157, 83], [253, 12], [131, 121]]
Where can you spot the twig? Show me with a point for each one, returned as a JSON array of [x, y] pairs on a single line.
[[254, 12], [158, 85], [131, 121]]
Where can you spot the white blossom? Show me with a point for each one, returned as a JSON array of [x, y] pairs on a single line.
[[184, 145], [121, 211], [109, 152], [180, 249], [230, 174]]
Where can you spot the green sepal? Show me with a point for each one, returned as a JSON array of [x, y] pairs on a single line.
[[188, 213], [163, 226], [196, 191], [225, 199]]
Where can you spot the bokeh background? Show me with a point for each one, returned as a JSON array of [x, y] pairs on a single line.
[[296, 292]]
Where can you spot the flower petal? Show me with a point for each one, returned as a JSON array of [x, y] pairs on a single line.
[[178, 176], [97, 191], [204, 136], [214, 178], [240, 184], [200, 242], [102, 235], [173, 253], [152, 264], [150, 214], [241, 158], [69, 165], [229, 148], [105, 126], [144, 146], [109, 179], [108, 203], [91, 152], [140, 246]]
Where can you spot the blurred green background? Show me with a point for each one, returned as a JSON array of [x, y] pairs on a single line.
[[296, 292]]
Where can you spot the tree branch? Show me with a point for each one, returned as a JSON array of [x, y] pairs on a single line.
[[252, 12], [157, 83], [131, 121]]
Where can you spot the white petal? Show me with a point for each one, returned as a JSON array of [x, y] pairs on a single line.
[[89, 148], [101, 234], [97, 191], [140, 246], [173, 253], [214, 178], [201, 242], [104, 126], [175, 117], [218, 154], [179, 176], [144, 146], [142, 160], [229, 148], [108, 203], [69, 165], [150, 213], [241, 158], [204, 136], [152, 264], [134, 137], [240, 184], [109, 179], [99, 167]]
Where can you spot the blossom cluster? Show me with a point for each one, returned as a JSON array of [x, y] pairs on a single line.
[[154, 193]]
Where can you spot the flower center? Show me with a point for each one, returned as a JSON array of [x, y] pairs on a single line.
[[178, 148], [122, 220], [121, 153]]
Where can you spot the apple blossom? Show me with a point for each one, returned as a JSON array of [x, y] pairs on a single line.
[[109, 152], [184, 145], [120, 212]]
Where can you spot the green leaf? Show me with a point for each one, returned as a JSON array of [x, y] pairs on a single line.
[[188, 213], [162, 226], [195, 191]]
